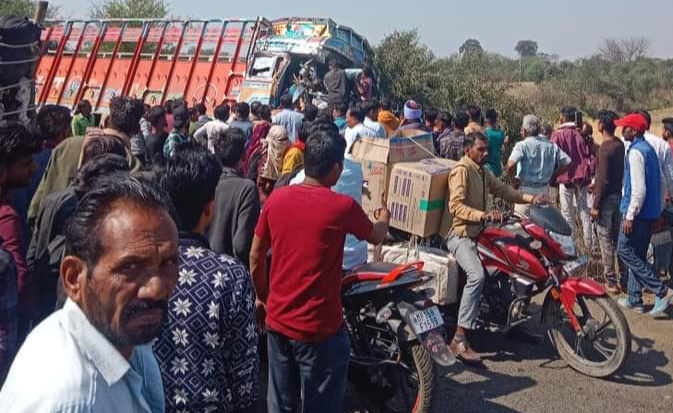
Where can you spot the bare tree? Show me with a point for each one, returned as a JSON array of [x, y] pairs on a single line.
[[624, 50]]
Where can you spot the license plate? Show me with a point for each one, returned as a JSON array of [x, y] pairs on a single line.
[[574, 266], [425, 320]]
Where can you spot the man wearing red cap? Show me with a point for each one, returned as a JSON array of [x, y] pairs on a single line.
[[640, 207]]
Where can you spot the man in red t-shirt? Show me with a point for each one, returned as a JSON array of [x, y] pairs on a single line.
[[305, 226]]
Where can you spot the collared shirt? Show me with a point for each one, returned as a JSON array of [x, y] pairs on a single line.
[[356, 132], [474, 127], [469, 186], [665, 157], [349, 183], [174, 139], [378, 129], [537, 159], [207, 349], [291, 120], [573, 144], [209, 131], [451, 145], [80, 123], [67, 366]]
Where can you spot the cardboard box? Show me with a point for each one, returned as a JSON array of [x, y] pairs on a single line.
[[417, 195], [377, 156]]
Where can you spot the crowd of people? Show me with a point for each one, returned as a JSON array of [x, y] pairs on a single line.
[[141, 258]]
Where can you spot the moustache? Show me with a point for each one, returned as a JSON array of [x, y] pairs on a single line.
[[145, 305]]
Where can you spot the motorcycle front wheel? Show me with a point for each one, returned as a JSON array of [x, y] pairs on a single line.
[[603, 343]]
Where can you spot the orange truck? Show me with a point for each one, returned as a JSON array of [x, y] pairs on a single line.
[[201, 61]]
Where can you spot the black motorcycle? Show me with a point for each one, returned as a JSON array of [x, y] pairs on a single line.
[[397, 338]]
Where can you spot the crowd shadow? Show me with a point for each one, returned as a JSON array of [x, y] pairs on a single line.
[[643, 367]]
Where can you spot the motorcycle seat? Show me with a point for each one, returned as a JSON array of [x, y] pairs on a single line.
[[381, 272]]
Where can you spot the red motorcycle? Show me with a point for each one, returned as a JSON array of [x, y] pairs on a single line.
[[528, 256]]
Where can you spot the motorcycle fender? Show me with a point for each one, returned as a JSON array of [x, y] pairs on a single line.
[[433, 340], [569, 290]]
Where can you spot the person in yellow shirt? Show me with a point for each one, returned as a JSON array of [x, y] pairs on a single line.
[[387, 118], [294, 156]]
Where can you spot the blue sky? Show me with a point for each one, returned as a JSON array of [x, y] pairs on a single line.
[[570, 28]]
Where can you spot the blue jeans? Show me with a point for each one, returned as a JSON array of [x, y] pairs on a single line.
[[307, 377], [632, 250]]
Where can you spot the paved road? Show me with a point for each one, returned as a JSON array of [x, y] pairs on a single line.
[[521, 377], [528, 378]]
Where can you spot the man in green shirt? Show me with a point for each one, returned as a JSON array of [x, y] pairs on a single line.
[[82, 118], [496, 139]]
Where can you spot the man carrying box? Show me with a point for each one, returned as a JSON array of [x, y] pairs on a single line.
[[469, 186]]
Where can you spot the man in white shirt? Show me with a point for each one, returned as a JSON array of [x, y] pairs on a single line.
[[120, 270], [371, 110], [212, 129], [356, 128], [664, 155]]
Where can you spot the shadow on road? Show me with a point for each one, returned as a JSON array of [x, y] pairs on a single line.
[[476, 395], [643, 367]]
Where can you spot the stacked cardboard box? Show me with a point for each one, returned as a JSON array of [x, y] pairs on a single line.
[[417, 195], [378, 156]]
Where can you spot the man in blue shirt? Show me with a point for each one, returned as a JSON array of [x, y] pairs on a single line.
[[339, 114], [288, 118], [536, 161], [207, 350], [641, 208], [120, 269]]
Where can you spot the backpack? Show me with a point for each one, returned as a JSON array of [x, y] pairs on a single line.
[[47, 248]]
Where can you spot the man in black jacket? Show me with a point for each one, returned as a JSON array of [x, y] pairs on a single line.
[[236, 200]]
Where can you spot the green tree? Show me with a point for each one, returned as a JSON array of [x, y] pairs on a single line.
[[403, 65], [24, 8], [526, 48], [535, 71], [471, 47], [126, 9]]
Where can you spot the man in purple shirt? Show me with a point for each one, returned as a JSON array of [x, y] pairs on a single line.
[[574, 182]]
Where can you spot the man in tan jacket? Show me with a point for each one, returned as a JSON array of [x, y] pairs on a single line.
[[469, 186]]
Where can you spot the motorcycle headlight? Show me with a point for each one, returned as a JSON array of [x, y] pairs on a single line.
[[567, 243]]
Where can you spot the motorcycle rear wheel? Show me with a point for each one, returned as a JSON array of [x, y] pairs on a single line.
[[576, 348], [397, 399]]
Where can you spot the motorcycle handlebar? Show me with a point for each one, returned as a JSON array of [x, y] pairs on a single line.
[[507, 217]]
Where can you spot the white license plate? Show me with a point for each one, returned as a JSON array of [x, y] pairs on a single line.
[[425, 320], [574, 266]]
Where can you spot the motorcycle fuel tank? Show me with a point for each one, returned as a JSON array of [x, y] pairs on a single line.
[[511, 254]]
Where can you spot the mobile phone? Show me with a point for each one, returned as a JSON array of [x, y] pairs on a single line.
[[579, 122]]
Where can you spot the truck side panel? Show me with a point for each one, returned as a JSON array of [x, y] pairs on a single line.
[[97, 60]]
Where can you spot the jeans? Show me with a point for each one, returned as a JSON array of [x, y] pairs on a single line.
[[524, 209], [574, 197], [465, 252], [607, 227], [632, 250], [307, 377]]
